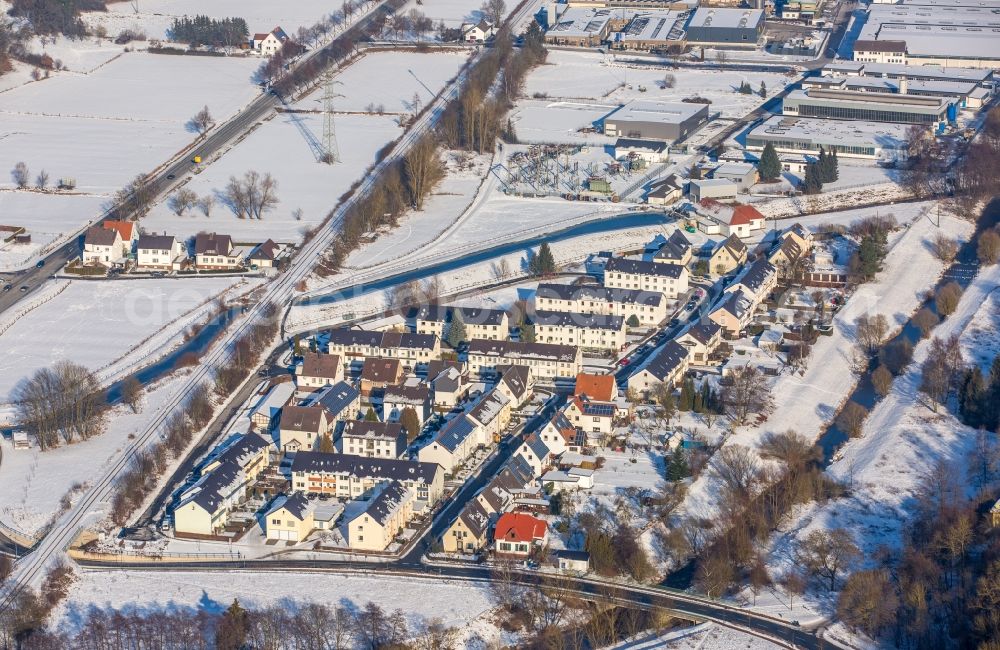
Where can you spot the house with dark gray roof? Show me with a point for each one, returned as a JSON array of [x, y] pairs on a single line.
[[412, 349], [648, 307], [470, 531], [377, 439], [701, 340], [396, 399], [385, 517], [675, 250], [356, 477], [587, 331], [160, 253], [454, 443], [535, 453], [666, 366], [341, 400], [547, 361], [669, 279]]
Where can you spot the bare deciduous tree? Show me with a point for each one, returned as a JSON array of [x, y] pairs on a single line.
[[747, 392], [182, 200], [826, 554], [872, 331], [946, 299], [251, 196], [202, 121], [206, 204], [852, 418], [945, 248], [494, 10], [132, 393], [42, 180], [20, 175], [64, 401]]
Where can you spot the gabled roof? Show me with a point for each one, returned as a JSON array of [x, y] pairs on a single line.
[[519, 527], [381, 370], [317, 364], [537, 446], [519, 470], [392, 497], [703, 332], [302, 418], [599, 387], [587, 406], [437, 366], [736, 304], [489, 407], [156, 242], [211, 489], [674, 248], [515, 378], [296, 504], [240, 450], [126, 229], [338, 397], [577, 320], [666, 361], [734, 215], [564, 428], [265, 251], [448, 380], [593, 292], [413, 395], [735, 246], [754, 277], [475, 518], [365, 467], [456, 432], [640, 267], [351, 337], [513, 350], [97, 236], [365, 429], [209, 243]]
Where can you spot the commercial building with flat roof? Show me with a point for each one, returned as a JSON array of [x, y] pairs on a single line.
[[651, 30], [852, 139], [726, 26], [873, 107], [652, 120], [581, 27], [931, 34], [961, 92]]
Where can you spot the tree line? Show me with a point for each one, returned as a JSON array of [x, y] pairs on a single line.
[[203, 30], [55, 16]]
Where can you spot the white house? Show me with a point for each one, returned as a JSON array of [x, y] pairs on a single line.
[[385, 517], [479, 32], [270, 42], [101, 246], [666, 367], [160, 253], [740, 220], [669, 279]]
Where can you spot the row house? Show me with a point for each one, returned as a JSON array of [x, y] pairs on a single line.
[[667, 366], [293, 517], [675, 249], [396, 399], [203, 509], [319, 370], [734, 314], [492, 413], [359, 477], [384, 518], [480, 323], [373, 439], [546, 361], [649, 308], [757, 281], [469, 533], [701, 341], [535, 453], [455, 442], [730, 255], [588, 331], [411, 349], [378, 374], [669, 279]]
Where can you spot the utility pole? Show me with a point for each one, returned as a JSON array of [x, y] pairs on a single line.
[[331, 152]]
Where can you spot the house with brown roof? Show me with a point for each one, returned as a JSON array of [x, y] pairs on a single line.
[[302, 427], [264, 255], [601, 388], [216, 252], [318, 370], [102, 246], [730, 255], [377, 373]]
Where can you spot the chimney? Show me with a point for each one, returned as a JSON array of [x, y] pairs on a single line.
[[904, 86]]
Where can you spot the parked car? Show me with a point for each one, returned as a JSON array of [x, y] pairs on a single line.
[[23, 288], [40, 264], [624, 362], [8, 287]]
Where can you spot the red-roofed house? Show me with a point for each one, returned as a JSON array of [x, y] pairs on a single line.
[[517, 534], [126, 230], [737, 219], [597, 387], [269, 43]]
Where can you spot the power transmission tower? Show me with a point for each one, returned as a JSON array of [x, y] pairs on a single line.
[[331, 152]]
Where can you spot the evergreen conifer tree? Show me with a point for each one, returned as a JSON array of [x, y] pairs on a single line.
[[456, 332], [770, 166]]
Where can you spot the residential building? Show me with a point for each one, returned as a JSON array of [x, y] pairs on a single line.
[[469, 532], [251, 452], [723, 26], [160, 253], [454, 443], [546, 361], [302, 427], [268, 409], [319, 370], [535, 453], [410, 348], [377, 374], [648, 307], [642, 119], [492, 413], [518, 534], [517, 383], [560, 436], [601, 388], [675, 249], [730, 255], [734, 313], [449, 388], [267, 44], [383, 519], [102, 246], [290, 518], [396, 399], [738, 219], [359, 477], [588, 331], [492, 324], [479, 32], [701, 340], [264, 255], [594, 418], [341, 401], [216, 252], [800, 235], [757, 281], [667, 366], [373, 439], [666, 191], [744, 174], [669, 279], [127, 230]]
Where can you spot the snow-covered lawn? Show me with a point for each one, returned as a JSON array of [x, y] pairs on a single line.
[[806, 402], [95, 323], [47, 218], [452, 12], [557, 121], [458, 604], [156, 16], [280, 147], [400, 75], [34, 481]]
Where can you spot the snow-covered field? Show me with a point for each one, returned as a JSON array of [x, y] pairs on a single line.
[[95, 323], [452, 12], [46, 216], [458, 604], [805, 403], [400, 75]]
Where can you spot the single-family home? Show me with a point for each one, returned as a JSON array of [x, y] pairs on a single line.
[[159, 253], [800, 235], [383, 519], [479, 32], [734, 313], [518, 534], [546, 360], [669, 279], [375, 439], [127, 230], [319, 370], [216, 252], [290, 518], [600, 388], [268, 409], [587, 331], [267, 43], [594, 418], [359, 477], [341, 401], [786, 256], [535, 453], [264, 255], [302, 427], [396, 399], [666, 191], [449, 388], [730, 255], [738, 219], [102, 246], [560, 435], [667, 366], [517, 383], [676, 249], [377, 374], [470, 531], [701, 340]]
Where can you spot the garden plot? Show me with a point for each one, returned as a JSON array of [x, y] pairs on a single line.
[[282, 148], [400, 76], [94, 323], [156, 16], [583, 76], [46, 217]]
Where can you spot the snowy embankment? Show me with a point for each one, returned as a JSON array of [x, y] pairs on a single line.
[[807, 402]]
